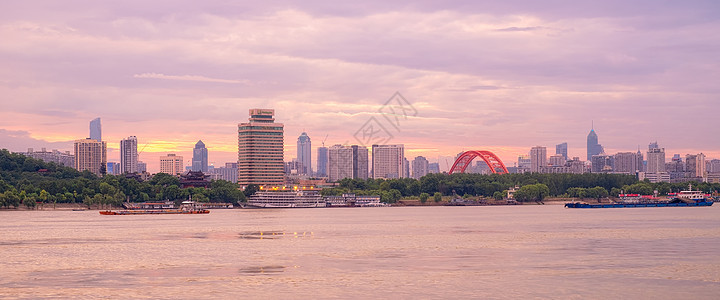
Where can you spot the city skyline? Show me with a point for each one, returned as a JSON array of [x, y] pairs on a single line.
[[488, 76]]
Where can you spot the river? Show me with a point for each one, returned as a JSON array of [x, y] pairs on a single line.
[[500, 252]]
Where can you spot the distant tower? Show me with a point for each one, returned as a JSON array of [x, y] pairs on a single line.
[[419, 167], [304, 154], [593, 148], [562, 149], [96, 130], [128, 155], [91, 155], [322, 161], [655, 159], [538, 158], [200, 158]]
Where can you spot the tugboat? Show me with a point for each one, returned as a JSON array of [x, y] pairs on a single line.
[[187, 207], [687, 198]]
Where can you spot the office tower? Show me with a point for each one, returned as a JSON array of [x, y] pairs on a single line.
[[695, 165], [628, 162], [128, 155], [561, 149], [538, 158], [200, 158], [171, 164], [655, 159], [593, 148], [304, 151], [96, 130], [347, 162], [406, 168], [388, 161], [602, 163], [524, 162], [91, 155], [141, 167], [557, 160], [260, 149], [420, 167], [433, 168], [360, 162], [322, 162]]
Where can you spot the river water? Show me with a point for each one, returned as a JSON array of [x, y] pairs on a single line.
[[400, 253]]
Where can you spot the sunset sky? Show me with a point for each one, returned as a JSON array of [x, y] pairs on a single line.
[[487, 75]]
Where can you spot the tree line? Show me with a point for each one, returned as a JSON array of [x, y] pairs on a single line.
[[27, 181]]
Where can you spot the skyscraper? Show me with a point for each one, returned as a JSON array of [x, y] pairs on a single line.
[[406, 168], [128, 155], [91, 155], [593, 148], [538, 158], [388, 161], [628, 162], [655, 159], [347, 162], [200, 158], [695, 165], [561, 149], [322, 162], [304, 154], [96, 130], [171, 164], [419, 167], [260, 149]]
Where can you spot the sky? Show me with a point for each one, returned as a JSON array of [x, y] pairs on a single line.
[[502, 76]]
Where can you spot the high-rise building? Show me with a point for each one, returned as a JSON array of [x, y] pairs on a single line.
[[562, 149], [260, 149], [113, 168], [557, 160], [419, 167], [200, 158], [91, 155], [714, 166], [538, 158], [171, 164], [347, 162], [141, 167], [695, 165], [304, 154], [628, 162], [406, 168], [602, 163], [360, 162], [227, 173], [433, 168], [388, 161], [593, 147], [655, 159], [322, 162], [128, 155], [96, 130]]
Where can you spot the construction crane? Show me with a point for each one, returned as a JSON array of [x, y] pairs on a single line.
[[325, 139]]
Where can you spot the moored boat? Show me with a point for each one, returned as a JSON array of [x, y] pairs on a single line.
[[687, 198], [187, 207]]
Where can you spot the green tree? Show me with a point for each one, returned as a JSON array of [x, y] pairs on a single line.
[[29, 202], [437, 197], [424, 197], [12, 198], [250, 190], [498, 195]]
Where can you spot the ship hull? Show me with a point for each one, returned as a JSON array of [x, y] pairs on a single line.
[[628, 205], [154, 212]]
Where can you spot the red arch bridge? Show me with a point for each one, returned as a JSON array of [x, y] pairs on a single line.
[[464, 160]]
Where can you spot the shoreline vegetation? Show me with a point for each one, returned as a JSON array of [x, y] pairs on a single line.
[[35, 184]]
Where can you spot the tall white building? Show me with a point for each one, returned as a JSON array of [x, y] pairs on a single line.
[[388, 161], [538, 158], [128, 155]]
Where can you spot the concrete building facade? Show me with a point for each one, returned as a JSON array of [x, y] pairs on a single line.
[[171, 164], [260, 149], [91, 155], [388, 161], [128, 155]]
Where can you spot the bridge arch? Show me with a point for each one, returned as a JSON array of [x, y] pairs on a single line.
[[464, 160]]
